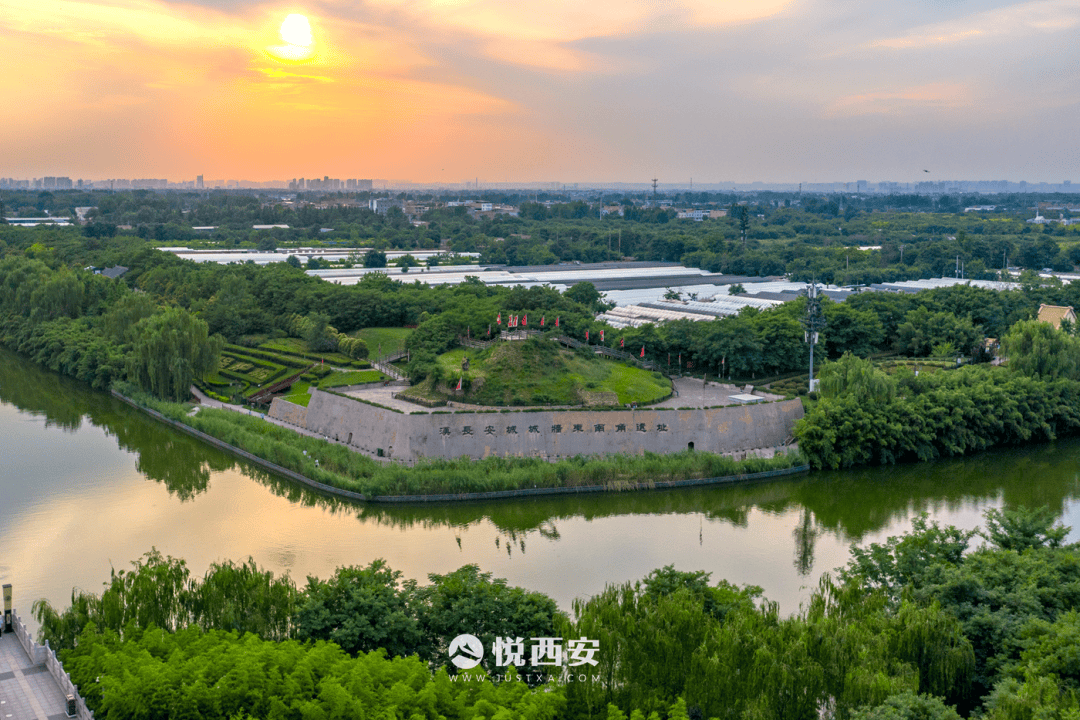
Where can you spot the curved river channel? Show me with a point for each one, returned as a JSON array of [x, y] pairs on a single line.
[[88, 483]]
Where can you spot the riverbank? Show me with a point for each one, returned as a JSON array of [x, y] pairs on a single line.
[[331, 468]]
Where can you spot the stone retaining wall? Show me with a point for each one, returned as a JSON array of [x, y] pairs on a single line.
[[526, 492], [288, 412], [550, 434]]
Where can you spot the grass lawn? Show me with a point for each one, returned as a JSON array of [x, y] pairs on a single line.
[[298, 394], [359, 377], [392, 339], [541, 373]]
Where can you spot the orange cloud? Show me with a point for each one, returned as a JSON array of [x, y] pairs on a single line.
[[168, 86]]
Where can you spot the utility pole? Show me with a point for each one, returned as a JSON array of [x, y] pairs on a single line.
[[813, 323], [654, 192]]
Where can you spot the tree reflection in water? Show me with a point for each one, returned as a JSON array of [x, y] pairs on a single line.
[[848, 505]]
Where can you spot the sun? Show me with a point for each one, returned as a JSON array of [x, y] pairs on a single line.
[[295, 32]]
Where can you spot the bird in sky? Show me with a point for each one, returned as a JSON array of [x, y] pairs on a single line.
[[926, 171]]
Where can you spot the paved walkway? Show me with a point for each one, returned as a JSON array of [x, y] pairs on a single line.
[[27, 691], [691, 392]]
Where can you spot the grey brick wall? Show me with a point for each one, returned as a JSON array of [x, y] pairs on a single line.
[[549, 434]]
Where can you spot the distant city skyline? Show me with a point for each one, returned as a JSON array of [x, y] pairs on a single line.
[[354, 185], [600, 92]]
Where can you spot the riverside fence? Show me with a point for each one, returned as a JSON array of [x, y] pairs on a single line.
[[44, 655]]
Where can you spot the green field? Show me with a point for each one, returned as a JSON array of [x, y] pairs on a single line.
[[392, 339], [359, 377], [298, 394], [538, 372]]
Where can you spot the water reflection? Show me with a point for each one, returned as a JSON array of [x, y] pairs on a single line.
[[180, 462], [779, 534], [806, 534]]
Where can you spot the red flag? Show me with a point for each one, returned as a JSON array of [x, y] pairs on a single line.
[[489, 329], [459, 383], [586, 336], [525, 322], [642, 351], [498, 320], [622, 342], [601, 336], [556, 321], [541, 321]]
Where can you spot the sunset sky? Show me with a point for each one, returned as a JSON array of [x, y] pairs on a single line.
[[542, 90]]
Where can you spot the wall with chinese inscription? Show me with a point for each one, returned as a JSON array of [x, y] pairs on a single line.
[[550, 434]]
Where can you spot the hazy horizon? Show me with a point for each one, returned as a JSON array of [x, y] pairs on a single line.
[[512, 90]]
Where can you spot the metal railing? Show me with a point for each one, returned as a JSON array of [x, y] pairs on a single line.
[[260, 397]]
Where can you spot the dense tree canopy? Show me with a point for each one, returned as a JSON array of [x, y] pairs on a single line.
[[920, 626]]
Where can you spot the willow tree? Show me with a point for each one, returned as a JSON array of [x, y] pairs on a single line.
[[1039, 350], [170, 350], [858, 377]]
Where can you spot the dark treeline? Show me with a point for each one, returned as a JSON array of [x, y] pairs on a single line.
[[806, 236], [868, 416], [99, 331], [46, 296], [163, 322], [918, 627]]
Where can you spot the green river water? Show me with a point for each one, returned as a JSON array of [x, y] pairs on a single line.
[[88, 483]]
